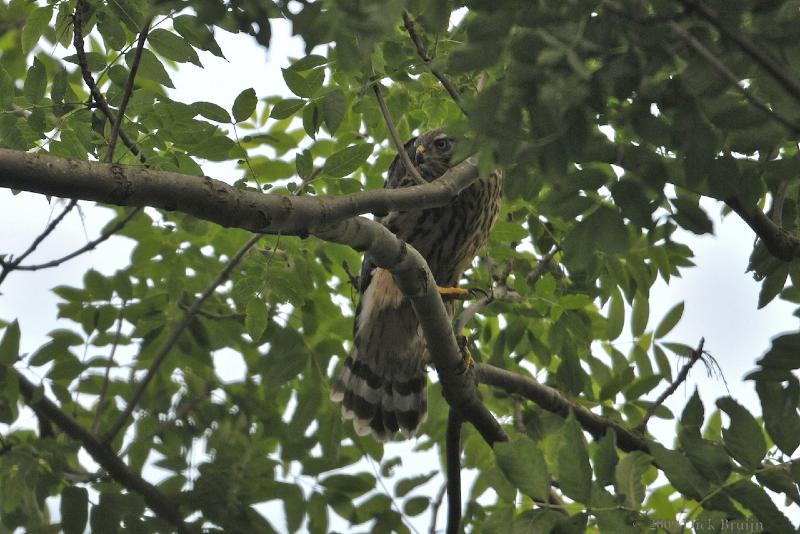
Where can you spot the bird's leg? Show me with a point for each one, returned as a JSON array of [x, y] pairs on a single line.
[[466, 355], [459, 293]]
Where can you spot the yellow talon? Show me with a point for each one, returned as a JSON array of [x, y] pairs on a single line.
[[466, 355], [455, 293]]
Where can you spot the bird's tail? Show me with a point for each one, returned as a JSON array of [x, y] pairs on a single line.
[[378, 404]]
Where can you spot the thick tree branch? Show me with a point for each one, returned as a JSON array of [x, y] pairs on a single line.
[[329, 218], [776, 70], [552, 400], [100, 453], [778, 241], [214, 200], [413, 277], [453, 456]]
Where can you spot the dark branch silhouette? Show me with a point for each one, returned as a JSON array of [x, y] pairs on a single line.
[[100, 453], [126, 94]]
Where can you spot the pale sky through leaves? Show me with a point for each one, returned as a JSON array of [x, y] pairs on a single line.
[[721, 299]]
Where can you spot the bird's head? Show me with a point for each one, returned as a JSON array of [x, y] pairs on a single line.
[[432, 153]]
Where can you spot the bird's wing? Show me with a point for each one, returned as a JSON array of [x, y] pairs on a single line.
[[394, 179]]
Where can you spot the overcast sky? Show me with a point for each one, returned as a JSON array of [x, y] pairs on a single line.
[[720, 297]]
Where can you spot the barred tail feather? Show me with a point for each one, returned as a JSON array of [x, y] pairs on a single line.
[[379, 405]]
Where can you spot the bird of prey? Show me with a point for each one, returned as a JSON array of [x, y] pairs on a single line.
[[382, 385]]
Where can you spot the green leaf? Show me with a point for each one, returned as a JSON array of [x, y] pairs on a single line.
[[317, 513], [6, 90], [779, 408], [212, 111], [522, 463], [778, 479], [616, 317], [773, 284], [574, 471], [112, 32], [172, 47], [94, 61], [628, 477], [312, 119], [783, 353], [9, 345], [34, 27], [256, 318], [215, 148], [334, 107], [603, 230], [640, 314], [406, 485], [691, 216], [759, 502], [304, 85], [352, 485], [670, 320], [244, 105], [416, 505], [35, 82], [680, 471], [304, 164], [197, 34], [346, 161], [743, 437], [308, 62], [693, 413], [150, 68], [605, 459], [74, 509], [286, 108]]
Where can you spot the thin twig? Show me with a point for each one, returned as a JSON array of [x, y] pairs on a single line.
[[778, 200], [777, 71], [215, 316], [552, 400], [679, 379], [7, 267], [470, 311], [175, 337], [398, 143], [126, 95], [726, 73], [98, 97], [423, 54], [91, 245], [437, 503], [453, 455], [109, 365], [541, 268]]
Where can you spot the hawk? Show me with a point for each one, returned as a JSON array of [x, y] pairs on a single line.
[[382, 385]]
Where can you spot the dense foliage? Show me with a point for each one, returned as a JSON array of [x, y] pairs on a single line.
[[611, 119]]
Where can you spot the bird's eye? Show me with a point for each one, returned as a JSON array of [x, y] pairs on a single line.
[[442, 143]]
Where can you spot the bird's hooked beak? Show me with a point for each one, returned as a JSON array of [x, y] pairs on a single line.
[[419, 155]]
